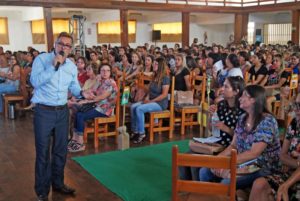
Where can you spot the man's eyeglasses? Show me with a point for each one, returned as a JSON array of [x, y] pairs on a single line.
[[103, 71], [64, 45]]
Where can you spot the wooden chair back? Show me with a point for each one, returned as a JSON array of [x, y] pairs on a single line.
[[141, 79], [203, 118], [294, 80], [209, 161], [22, 87], [167, 114], [199, 86]]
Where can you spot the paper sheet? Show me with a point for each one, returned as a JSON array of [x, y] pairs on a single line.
[[208, 140]]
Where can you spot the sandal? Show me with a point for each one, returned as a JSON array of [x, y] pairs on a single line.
[[139, 139], [133, 135], [71, 142], [76, 147]]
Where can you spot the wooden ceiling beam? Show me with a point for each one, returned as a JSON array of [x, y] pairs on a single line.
[[106, 4]]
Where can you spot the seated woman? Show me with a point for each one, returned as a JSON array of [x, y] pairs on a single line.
[[255, 137], [244, 62], [157, 100], [148, 65], [283, 181], [274, 80], [182, 74], [81, 65], [228, 111], [232, 69], [258, 71], [136, 67], [11, 79], [295, 62], [125, 65], [105, 100], [90, 84]]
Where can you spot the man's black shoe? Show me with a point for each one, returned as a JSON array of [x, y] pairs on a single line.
[[42, 198], [64, 190]]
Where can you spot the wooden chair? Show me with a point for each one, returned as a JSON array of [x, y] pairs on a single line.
[[198, 187], [187, 113], [203, 118], [166, 114], [21, 96], [294, 81], [99, 127]]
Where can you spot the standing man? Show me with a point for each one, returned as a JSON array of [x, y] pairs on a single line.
[[52, 76]]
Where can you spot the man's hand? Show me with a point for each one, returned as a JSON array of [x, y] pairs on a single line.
[[59, 59]]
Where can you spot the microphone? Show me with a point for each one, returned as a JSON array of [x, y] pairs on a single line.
[[58, 63]]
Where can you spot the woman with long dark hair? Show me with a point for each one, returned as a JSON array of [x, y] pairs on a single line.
[[282, 182], [255, 138], [258, 70], [157, 100]]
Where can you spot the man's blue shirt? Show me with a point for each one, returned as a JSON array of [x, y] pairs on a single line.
[[51, 87]]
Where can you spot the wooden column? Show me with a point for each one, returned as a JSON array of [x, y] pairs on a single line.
[[124, 27], [240, 26], [185, 29], [295, 26], [48, 28]]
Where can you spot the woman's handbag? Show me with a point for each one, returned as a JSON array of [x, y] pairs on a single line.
[[86, 107], [184, 97], [204, 148], [140, 95]]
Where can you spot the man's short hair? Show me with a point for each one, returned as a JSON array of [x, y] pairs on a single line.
[[66, 35]]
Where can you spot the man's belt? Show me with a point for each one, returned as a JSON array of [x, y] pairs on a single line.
[[54, 108]]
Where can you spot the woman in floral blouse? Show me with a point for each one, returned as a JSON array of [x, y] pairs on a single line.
[[283, 181], [105, 100], [255, 137]]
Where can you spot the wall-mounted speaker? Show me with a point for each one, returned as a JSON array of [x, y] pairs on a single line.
[[156, 35]]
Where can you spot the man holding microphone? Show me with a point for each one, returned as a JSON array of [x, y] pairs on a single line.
[[52, 76]]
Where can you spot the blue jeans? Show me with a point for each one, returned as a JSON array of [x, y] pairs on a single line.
[[49, 166], [241, 182], [6, 88], [137, 114], [81, 117]]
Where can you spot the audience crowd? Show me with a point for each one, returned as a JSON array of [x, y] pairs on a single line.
[[246, 82]]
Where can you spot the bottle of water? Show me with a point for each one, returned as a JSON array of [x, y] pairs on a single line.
[[215, 119]]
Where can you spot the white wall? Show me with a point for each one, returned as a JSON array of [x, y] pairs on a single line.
[[19, 32]]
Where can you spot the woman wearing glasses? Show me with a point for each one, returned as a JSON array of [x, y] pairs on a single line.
[[283, 181], [105, 101]]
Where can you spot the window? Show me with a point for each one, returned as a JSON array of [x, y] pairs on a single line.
[[110, 32], [170, 32], [250, 37], [277, 33], [3, 31], [38, 31], [58, 25]]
